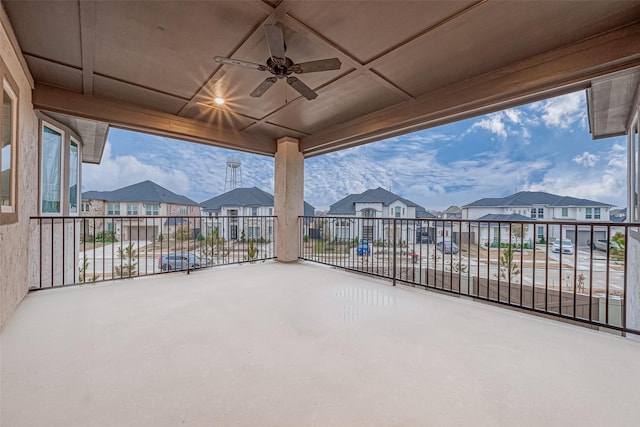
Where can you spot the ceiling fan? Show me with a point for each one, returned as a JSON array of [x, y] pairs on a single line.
[[282, 67]]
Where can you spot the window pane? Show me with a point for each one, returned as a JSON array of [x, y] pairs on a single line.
[[51, 152], [6, 153], [73, 178]]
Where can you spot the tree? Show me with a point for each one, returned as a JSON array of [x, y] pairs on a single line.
[[82, 272], [519, 231], [618, 252], [508, 268], [183, 232], [252, 252], [127, 267], [212, 245]]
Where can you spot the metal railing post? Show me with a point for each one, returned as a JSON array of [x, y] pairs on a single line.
[[394, 252]]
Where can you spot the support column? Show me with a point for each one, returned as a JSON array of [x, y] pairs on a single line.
[[289, 198]]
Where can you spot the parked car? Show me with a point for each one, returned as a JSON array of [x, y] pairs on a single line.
[[603, 243], [447, 247], [179, 261], [567, 246], [364, 249]]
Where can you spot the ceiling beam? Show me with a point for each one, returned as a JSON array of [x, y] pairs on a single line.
[[132, 117], [88, 43], [558, 71]]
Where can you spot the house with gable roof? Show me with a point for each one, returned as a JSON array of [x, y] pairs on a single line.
[[540, 207], [235, 209], [145, 199], [379, 203]]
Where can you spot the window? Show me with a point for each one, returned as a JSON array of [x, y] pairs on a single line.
[[533, 213], [132, 209], [588, 213], [254, 232], [270, 211], [596, 213], [60, 155], [254, 211], [184, 210], [565, 212], [368, 213], [85, 207], [51, 169], [73, 177], [540, 233], [152, 209], [113, 209], [8, 156], [398, 211], [540, 213]]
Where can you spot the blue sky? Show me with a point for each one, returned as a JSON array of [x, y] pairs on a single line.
[[544, 146]]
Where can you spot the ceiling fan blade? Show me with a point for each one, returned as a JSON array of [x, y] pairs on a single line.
[[302, 88], [275, 41], [247, 64], [262, 88], [314, 66]]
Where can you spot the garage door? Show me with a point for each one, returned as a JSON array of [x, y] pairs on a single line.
[[142, 233], [584, 237]]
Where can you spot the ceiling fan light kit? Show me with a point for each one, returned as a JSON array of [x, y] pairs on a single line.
[[281, 66]]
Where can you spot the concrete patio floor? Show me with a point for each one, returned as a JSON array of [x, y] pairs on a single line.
[[302, 345]]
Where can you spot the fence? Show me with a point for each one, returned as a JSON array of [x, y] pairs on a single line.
[[75, 250], [573, 270]]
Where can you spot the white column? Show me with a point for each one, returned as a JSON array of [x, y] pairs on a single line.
[[289, 198]]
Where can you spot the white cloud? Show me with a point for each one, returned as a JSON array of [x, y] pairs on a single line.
[[193, 170], [494, 124], [608, 185], [422, 178], [119, 171], [586, 159], [562, 112]]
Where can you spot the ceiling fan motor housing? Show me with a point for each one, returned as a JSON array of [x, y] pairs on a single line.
[[280, 70]]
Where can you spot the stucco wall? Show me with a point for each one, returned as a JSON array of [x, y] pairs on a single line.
[[633, 283], [15, 238]]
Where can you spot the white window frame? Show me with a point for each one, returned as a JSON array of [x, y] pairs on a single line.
[[588, 213], [184, 210], [61, 201], [133, 209], [565, 212], [596, 213], [152, 209], [112, 212], [74, 142], [13, 161]]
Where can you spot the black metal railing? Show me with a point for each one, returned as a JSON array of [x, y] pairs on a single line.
[[75, 250], [573, 270]]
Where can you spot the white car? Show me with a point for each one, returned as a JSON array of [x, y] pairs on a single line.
[[567, 246], [603, 243]]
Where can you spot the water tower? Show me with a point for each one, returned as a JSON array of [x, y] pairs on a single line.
[[234, 171]]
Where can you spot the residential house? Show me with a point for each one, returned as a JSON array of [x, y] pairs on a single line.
[[379, 203], [248, 210], [147, 200], [539, 207], [452, 212]]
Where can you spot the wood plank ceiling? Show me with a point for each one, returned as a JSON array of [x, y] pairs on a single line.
[[406, 65]]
